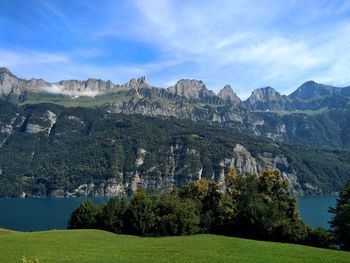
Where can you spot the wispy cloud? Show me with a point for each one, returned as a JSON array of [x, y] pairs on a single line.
[[251, 44], [9, 58], [245, 43]]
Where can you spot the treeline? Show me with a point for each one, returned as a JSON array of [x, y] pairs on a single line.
[[258, 207]]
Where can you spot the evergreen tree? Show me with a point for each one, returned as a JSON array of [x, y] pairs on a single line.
[[340, 223]]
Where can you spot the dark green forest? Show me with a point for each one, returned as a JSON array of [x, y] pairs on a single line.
[[85, 146]]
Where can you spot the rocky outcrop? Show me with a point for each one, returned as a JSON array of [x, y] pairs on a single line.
[[37, 122], [266, 99], [241, 159], [110, 188], [10, 85], [227, 94], [188, 88]]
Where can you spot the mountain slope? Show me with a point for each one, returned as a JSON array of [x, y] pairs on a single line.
[[50, 150], [95, 137], [315, 114]]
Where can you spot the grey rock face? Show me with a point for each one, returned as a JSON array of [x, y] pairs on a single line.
[[110, 188], [37, 122], [266, 99], [227, 94], [137, 83], [243, 160], [188, 88], [10, 84]]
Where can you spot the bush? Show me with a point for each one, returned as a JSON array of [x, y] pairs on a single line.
[[84, 216], [320, 237]]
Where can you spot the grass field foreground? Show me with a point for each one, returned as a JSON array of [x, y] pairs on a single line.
[[99, 246]]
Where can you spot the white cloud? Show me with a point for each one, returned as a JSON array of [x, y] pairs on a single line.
[[9, 58], [59, 89], [251, 44], [245, 43]]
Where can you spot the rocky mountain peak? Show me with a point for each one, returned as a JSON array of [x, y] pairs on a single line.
[[4, 70], [227, 93], [138, 83], [312, 89], [188, 88], [264, 94], [9, 83], [266, 99], [5, 73]]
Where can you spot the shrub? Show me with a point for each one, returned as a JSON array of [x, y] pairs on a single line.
[[84, 216]]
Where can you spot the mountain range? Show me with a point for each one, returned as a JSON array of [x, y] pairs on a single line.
[[95, 137]]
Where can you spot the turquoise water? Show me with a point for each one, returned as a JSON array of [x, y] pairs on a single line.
[[314, 209], [32, 214]]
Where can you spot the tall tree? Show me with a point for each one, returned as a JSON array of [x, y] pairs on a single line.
[[139, 215], [340, 223]]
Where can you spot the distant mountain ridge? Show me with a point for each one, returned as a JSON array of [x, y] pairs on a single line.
[[314, 113], [191, 89]]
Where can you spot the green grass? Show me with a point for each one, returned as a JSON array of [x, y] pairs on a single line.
[[82, 101], [289, 112], [100, 246]]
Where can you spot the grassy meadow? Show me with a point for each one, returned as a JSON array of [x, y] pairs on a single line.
[[99, 246]]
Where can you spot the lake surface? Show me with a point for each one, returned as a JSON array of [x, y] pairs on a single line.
[[314, 209], [32, 214]]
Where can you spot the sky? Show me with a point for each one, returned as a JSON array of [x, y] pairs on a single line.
[[248, 44]]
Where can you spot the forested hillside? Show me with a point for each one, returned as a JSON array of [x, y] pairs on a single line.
[[49, 149]]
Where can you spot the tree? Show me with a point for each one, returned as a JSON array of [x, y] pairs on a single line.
[[174, 216], [139, 215], [233, 181], [84, 216], [207, 197], [112, 216], [340, 223], [320, 237], [264, 208]]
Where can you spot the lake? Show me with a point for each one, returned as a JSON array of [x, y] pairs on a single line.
[[32, 214], [314, 209]]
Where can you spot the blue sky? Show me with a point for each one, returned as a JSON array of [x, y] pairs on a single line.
[[248, 44]]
